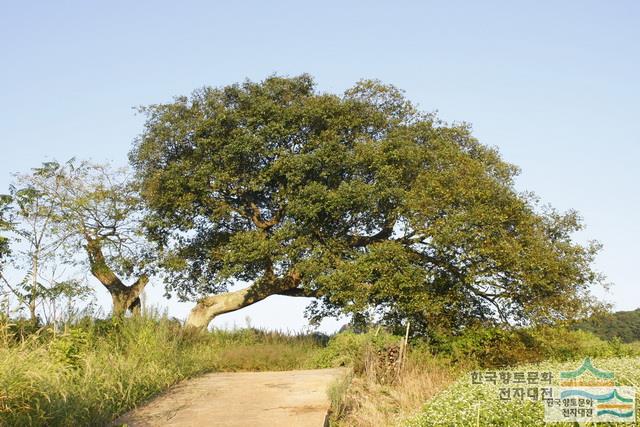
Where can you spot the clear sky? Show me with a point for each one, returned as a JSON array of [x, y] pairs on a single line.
[[553, 84]]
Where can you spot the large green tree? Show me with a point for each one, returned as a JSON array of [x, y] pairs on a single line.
[[358, 200]]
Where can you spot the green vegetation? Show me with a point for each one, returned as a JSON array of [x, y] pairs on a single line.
[[337, 392], [624, 325], [359, 200], [538, 349], [5, 224], [63, 211], [350, 349], [464, 404], [378, 400], [95, 370], [494, 347], [98, 369], [381, 393]]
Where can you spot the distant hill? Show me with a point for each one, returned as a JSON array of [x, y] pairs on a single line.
[[622, 324]]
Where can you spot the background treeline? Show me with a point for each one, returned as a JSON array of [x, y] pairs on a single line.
[[624, 325]]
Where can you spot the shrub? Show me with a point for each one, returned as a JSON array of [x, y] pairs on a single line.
[[371, 400], [493, 347], [350, 349], [624, 325]]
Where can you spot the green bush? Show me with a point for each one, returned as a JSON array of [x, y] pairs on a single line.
[[494, 347], [69, 347], [350, 349], [564, 344], [624, 325], [488, 347]]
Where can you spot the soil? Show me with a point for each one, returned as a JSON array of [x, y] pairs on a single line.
[[286, 398]]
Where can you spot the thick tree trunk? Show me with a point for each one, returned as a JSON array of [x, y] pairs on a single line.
[[33, 316], [209, 307], [125, 298]]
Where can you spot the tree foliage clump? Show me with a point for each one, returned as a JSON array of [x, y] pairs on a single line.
[[359, 200]]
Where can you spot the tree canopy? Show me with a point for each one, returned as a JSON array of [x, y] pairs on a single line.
[[359, 200]]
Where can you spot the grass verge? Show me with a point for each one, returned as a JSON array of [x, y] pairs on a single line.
[[382, 392], [93, 372]]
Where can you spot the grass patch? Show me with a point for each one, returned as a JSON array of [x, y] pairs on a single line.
[[337, 394], [467, 404]]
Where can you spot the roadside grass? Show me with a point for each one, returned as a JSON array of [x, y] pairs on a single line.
[[337, 393], [467, 404], [377, 396], [95, 371]]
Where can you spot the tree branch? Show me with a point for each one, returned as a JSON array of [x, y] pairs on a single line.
[[300, 292], [383, 234], [256, 217], [209, 307]]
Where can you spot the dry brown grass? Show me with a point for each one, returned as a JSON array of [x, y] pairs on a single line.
[[374, 399]]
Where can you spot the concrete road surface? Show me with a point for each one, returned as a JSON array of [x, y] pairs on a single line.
[[286, 398]]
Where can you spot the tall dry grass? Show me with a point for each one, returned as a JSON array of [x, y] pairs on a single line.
[[383, 395]]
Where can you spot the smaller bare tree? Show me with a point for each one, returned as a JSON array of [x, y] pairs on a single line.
[[97, 211], [35, 219], [64, 299], [5, 249]]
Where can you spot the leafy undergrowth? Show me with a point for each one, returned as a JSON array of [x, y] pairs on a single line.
[[467, 404], [94, 372], [374, 401]]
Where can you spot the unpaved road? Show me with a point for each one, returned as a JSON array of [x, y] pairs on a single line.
[[286, 398]]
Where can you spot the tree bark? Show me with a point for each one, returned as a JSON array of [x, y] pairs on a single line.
[[34, 287], [125, 298], [209, 307]]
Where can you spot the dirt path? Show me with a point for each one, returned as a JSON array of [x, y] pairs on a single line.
[[287, 398]]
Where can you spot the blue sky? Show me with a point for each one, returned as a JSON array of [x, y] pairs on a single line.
[[554, 85]]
